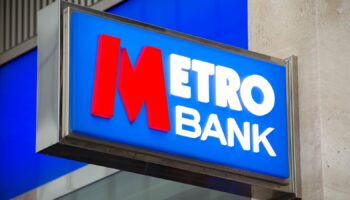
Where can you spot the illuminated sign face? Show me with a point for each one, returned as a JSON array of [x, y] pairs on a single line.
[[144, 84], [152, 91]]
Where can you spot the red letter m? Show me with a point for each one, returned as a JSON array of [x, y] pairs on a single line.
[[142, 84]]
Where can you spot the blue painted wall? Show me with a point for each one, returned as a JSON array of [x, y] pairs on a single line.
[[21, 169]]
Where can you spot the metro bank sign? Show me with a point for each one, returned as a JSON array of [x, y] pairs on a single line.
[[144, 84], [153, 91], [149, 100]]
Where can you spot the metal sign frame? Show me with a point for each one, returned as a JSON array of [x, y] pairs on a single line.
[[54, 136]]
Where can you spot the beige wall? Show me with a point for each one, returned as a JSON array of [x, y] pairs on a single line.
[[318, 32]]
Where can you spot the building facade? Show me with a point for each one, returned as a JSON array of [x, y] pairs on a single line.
[[317, 31]]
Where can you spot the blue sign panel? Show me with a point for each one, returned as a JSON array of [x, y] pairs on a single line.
[[149, 90]]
